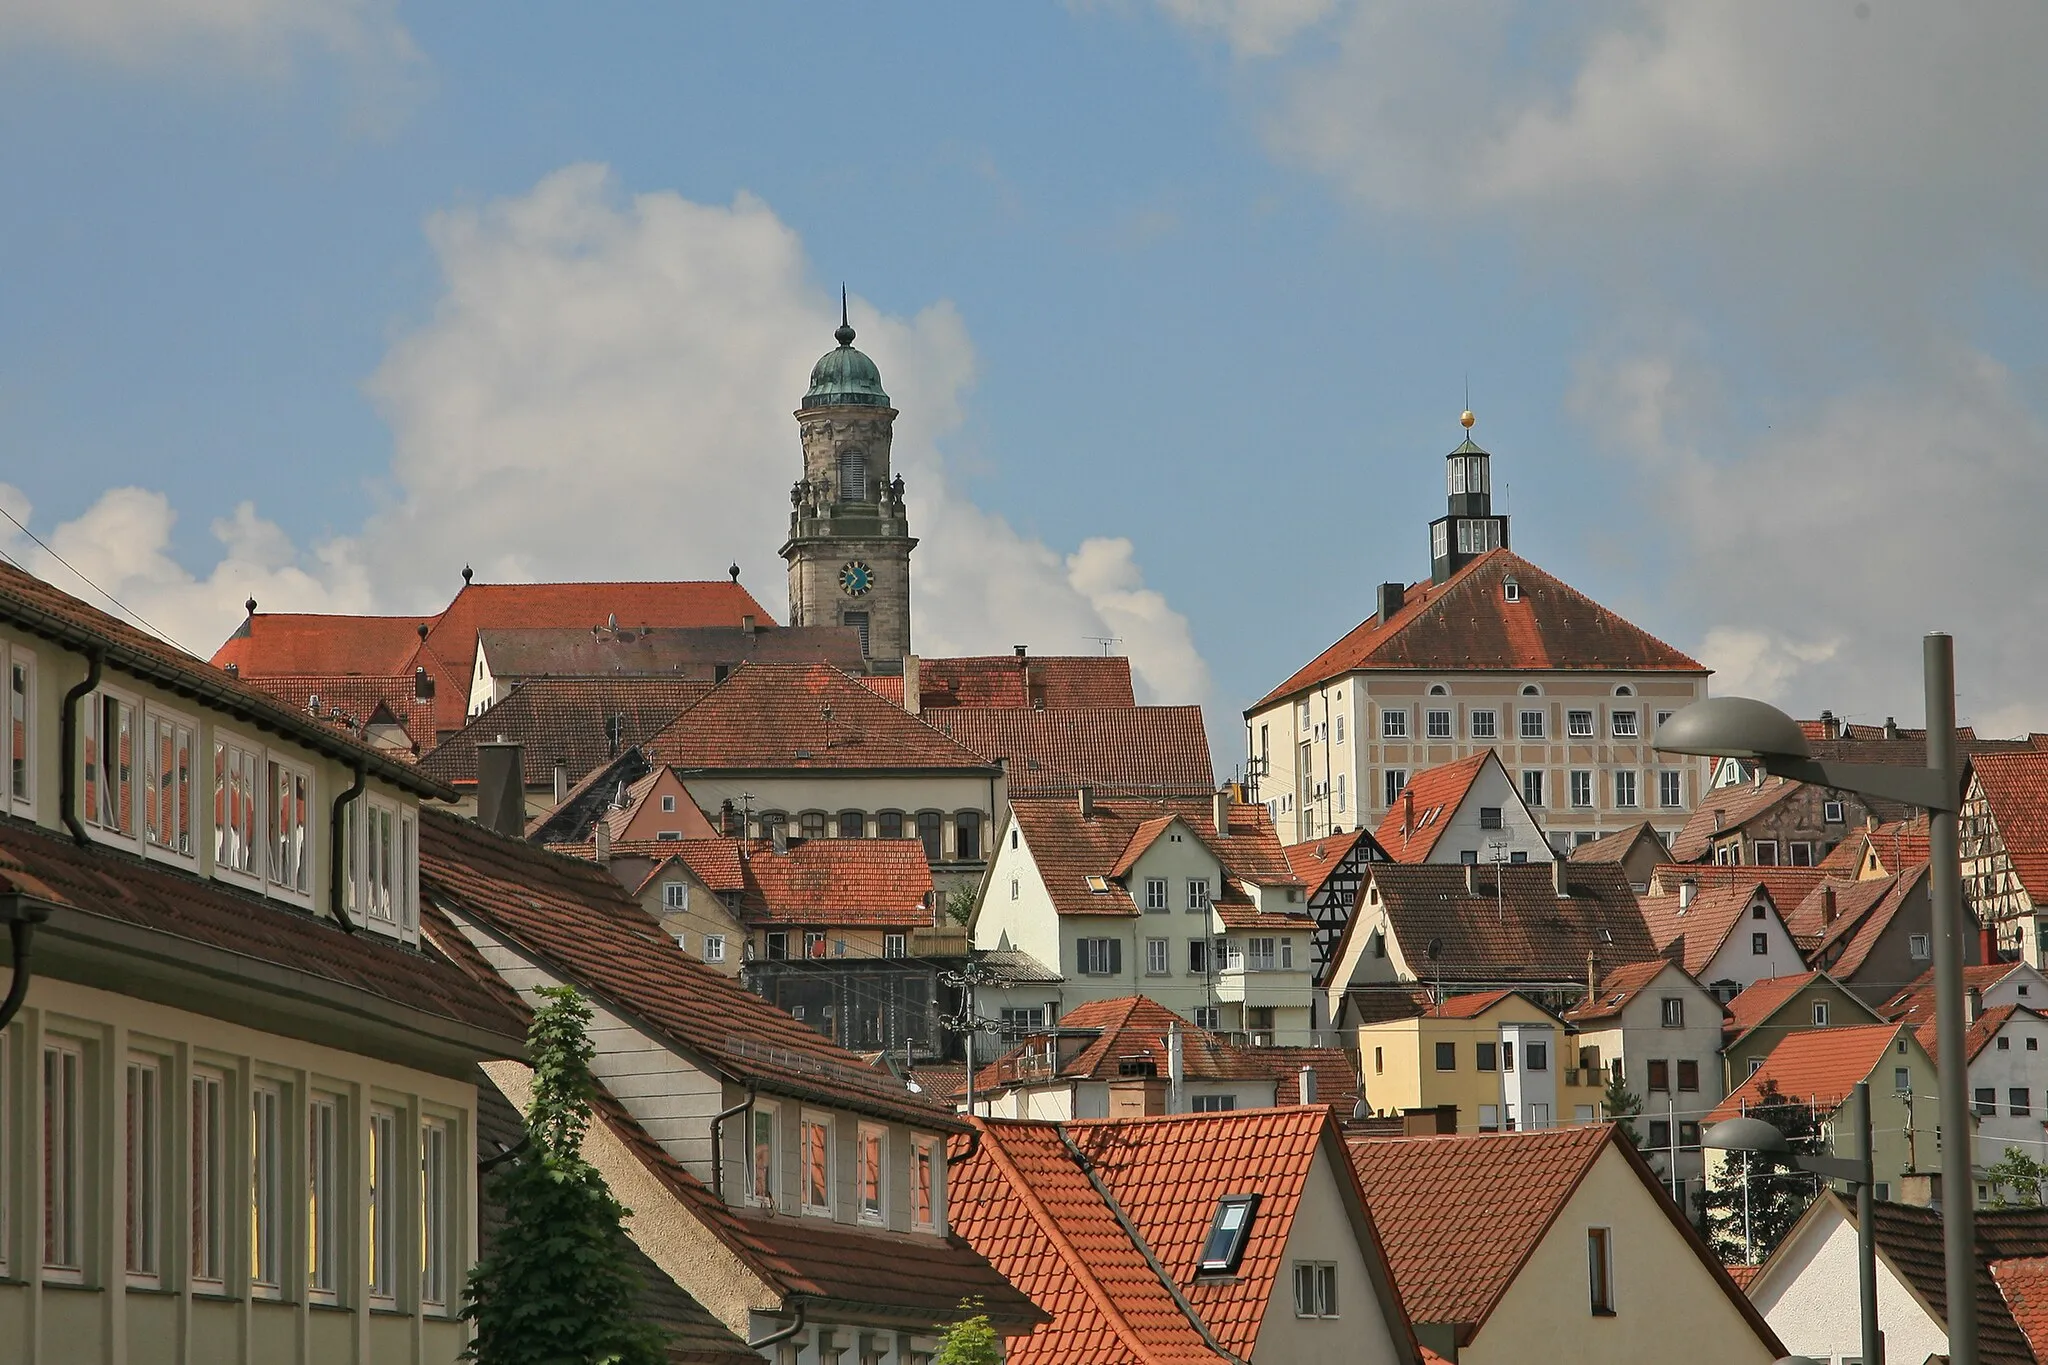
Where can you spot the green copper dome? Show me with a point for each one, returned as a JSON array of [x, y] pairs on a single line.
[[845, 377]]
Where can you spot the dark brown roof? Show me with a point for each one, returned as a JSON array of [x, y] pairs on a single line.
[[676, 652], [1910, 1238], [804, 717], [54, 614], [1613, 848], [1055, 681], [577, 920], [1069, 848], [569, 719], [120, 887], [1529, 935], [1467, 623], [1124, 750], [1734, 806]]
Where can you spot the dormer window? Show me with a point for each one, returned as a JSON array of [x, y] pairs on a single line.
[[381, 881], [1229, 1230], [21, 693], [1510, 589]]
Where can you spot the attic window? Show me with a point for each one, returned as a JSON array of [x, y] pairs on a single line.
[[1098, 884], [1227, 1234], [1511, 590]]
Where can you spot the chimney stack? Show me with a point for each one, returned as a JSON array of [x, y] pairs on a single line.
[[1407, 813], [1086, 794], [1308, 1085], [1559, 882], [501, 787], [1391, 596], [1827, 902], [1891, 727], [601, 838], [1830, 728], [1688, 892], [1973, 1005], [1219, 812], [913, 699], [561, 781], [1021, 663], [1592, 977]]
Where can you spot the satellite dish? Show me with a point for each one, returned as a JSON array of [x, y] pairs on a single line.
[[1436, 949]]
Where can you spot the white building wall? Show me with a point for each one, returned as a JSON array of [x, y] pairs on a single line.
[[2003, 1071], [1809, 1297], [1738, 961], [1465, 831]]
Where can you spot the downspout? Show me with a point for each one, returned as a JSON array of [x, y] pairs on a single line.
[[67, 785], [718, 1153], [1123, 1221], [776, 1338], [22, 915], [335, 850]]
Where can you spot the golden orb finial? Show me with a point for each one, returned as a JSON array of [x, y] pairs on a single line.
[[1466, 419]]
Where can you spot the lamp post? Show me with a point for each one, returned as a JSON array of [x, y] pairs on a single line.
[[1737, 727], [1747, 1135]]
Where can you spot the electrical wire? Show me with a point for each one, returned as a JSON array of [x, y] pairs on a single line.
[[125, 609]]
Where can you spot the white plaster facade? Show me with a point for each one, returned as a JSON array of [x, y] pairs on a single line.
[[1490, 824], [1808, 1293]]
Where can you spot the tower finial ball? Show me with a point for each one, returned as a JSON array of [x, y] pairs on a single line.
[[1466, 419]]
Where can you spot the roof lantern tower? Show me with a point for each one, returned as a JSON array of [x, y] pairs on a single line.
[[1469, 528]]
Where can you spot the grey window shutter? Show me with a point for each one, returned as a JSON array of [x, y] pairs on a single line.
[[1116, 957]]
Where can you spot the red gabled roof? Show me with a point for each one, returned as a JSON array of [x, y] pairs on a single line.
[[1615, 847], [1704, 925], [1723, 810], [1413, 824], [1820, 1065], [808, 717], [1900, 844], [1864, 911], [2023, 1283], [1467, 623], [1759, 1000], [1915, 1004], [1069, 848], [1472, 1006], [1787, 885], [271, 644], [1977, 1036], [356, 700], [1003, 680], [2016, 788], [837, 883], [1620, 986], [714, 862], [1314, 860], [1119, 750]]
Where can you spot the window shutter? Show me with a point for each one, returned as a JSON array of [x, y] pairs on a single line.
[[1116, 957]]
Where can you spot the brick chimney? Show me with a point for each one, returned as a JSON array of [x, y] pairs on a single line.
[[1827, 902], [1085, 794], [1830, 728], [501, 787], [1891, 727], [1407, 813], [913, 698]]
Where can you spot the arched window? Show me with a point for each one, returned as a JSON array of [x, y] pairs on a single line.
[[1439, 690], [1531, 690], [853, 475], [811, 824], [889, 824], [931, 829], [853, 824], [1624, 691]]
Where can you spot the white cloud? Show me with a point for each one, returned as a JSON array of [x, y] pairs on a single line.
[[261, 33], [1817, 554], [1251, 27], [604, 390]]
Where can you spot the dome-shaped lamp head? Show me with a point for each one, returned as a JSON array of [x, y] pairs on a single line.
[[1733, 727]]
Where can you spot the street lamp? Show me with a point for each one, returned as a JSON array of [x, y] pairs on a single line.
[[1748, 1135], [1737, 727]]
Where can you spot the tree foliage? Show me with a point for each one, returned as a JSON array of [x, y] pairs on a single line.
[[1622, 1105], [970, 1341], [2019, 1173], [559, 1286], [1778, 1190]]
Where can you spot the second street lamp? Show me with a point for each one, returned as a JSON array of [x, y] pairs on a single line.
[[1737, 727]]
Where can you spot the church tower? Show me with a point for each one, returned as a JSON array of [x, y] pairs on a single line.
[[1469, 528], [849, 540]]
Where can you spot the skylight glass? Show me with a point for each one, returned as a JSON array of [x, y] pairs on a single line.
[[1227, 1233]]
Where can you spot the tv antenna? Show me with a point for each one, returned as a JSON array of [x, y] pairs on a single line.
[[1498, 848], [1108, 643]]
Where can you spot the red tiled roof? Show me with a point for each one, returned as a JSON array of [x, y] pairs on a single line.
[[1734, 805], [2023, 1284], [1054, 681], [1612, 848], [1467, 623], [567, 719], [577, 920], [1133, 1028], [1809, 921], [52, 613], [1470, 1006], [878, 883], [282, 643], [1900, 844], [1787, 885], [714, 862], [1862, 919], [804, 716], [1314, 860], [1742, 1275], [1120, 750], [1697, 932], [1336, 1079], [1820, 1065], [1977, 1036], [1845, 860], [1415, 822], [103, 884], [355, 697], [1620, 986], [1759, 1000], [1915, 1004], [1526, 934], [2016, 788], [1069, 848]]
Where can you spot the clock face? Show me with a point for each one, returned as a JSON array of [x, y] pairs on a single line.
[[856, 578]]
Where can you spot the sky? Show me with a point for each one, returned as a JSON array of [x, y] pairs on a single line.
[[318, 301]]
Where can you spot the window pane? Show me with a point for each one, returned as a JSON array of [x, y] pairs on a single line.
[[145, 1139], [323, 1214], [383, 1204], [207, 1157], [434, 1213], [18, 702], [266, 1171]]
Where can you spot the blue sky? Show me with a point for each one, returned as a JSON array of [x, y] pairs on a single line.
[[1739, 296]]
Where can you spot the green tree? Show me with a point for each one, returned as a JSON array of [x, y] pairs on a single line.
[[2020, 1173], [1778, 1190], [1622, 1105], [960, 904], [970, 1341], [558, 1287]]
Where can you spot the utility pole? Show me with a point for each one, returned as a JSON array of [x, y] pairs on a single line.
[[967, 1022]]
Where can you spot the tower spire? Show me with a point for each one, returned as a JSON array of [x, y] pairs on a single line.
[[844, 336]]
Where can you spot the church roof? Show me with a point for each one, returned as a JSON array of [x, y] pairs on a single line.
[[843, 377], [1467, 623]]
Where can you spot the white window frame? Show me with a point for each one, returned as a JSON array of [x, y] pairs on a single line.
[[61, 1224], [326, 1221], [1532, 787], [714, 947], [1261, 954], [1158, 956], [1625, 724], [668, 803], [1198, 895], [895, 945], [1209, 1017], [760, 1182], [208, 1121], [180, 726], [1436, 723], [290, 847], [1339, 732], [871, 1155], [143, 1133], [1315, 1289], [1670, 788], [1155, 894], [269, 1205], [92, 790], [814, 1124], [1578, 724], [675, 895], [1490, 729], [437, 1214], [20, 785], [927, 1174], [1833, 812], [382, 1201], [1540, 727], [236, 761], [1626, 789], [1393, 722]]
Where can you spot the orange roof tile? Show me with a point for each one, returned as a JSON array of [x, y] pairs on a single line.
[[1900, 844], [268, 644], [2023, 1283], [1467, 623], [1472, 1006], [1915, 1004], [1977, 1036], [1759, 1000], [1055, 681], [1622, 985], [1315, 860], [1612, 848], [1070, 848], [874, 883], [1121, 750], [1413, 824], [1726, 809], [714, 862], [2016, 788], [1820, 1065], [1132, 1028], [1787, 885], [804, 717], [1862, 919], [1697, 932]]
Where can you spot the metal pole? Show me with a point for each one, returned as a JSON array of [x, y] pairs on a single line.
[[1866, 1236], [1945, 889], [1748, 1247]]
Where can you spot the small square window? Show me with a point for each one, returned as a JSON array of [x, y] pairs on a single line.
[[1446, 1056], [1626, 724], [1486, 1053], [1394, 724], [1831, 812], [1315, 1289], [1532, 725], [1579, 724], [1674, 1011], [1439, 724], [1760, 944], [1482, 724], [668, 805], [1917, 947]]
